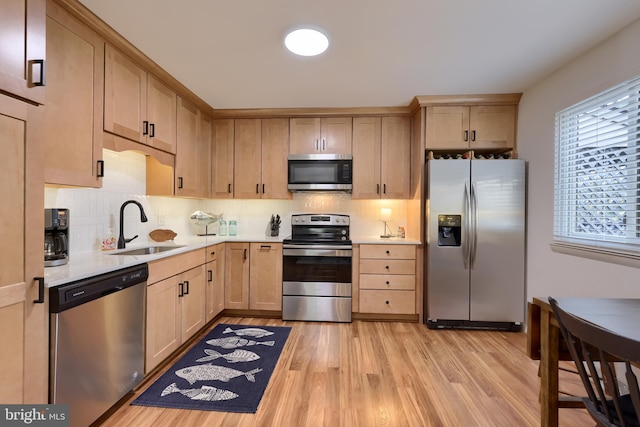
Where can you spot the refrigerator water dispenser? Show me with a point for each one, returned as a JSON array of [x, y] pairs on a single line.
[[449, 230]]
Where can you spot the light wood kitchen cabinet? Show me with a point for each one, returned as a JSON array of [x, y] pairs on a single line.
[[22, 57], [137, 106], [193, 301], [193, 151], [222, 159], [253, 276], [73, 118], [265, 276], [260, 158], [164, 322], [382, 156], [326, 135], [215, 281], [471, 127], [23, 321], [236, 276], [387, 279], [175, 304]]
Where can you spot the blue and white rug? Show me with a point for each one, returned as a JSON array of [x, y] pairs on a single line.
[[228, 370]]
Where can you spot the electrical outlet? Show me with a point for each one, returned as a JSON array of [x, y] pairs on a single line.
[[160, 220]]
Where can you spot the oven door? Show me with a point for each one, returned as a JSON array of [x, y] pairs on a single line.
[[316, 264]]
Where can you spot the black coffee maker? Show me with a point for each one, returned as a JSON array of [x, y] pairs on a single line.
[[56, 237]]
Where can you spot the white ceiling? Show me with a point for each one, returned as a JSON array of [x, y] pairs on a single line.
[[382, 53]]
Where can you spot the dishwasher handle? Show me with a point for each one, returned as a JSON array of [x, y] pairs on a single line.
[[112, 291]]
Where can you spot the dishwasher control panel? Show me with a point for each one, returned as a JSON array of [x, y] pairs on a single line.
[[81, 291]]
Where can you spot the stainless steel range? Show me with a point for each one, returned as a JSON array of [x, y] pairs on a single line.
[[316, 269]]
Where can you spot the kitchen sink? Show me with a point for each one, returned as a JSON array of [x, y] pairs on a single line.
[[147, 250]]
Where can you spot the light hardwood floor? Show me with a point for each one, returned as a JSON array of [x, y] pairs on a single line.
[[384, 374]]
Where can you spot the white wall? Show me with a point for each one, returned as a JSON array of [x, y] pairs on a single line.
[[550, 273]]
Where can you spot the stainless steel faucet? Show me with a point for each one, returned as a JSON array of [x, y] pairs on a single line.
[[143, 218]]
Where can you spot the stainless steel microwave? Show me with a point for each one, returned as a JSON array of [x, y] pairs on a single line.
[[320, 172]]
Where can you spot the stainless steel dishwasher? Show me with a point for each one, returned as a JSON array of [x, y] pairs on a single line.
[[97, 341]]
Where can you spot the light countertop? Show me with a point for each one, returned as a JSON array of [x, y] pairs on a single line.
[[84, 265]]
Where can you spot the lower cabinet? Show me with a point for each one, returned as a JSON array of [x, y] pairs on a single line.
[[265, 277], [175, 305], [387, 279], [253, 276], [236, 276], [214, 293]]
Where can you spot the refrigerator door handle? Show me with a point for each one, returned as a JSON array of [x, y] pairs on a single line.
[[467, 226], [474, 209]]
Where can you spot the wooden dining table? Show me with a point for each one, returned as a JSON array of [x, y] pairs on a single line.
[[544, 341]]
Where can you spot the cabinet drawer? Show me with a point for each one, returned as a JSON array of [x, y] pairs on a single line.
[[387, 302], [392, 266], [212, 252], [388, 251], [167, 267], [405, 282]]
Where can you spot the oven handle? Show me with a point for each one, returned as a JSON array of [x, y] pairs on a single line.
[[316, 252], [318, 246]]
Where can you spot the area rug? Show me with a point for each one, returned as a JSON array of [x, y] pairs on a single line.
[[228, 370]]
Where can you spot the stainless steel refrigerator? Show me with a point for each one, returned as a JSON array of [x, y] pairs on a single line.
[[475, 234]]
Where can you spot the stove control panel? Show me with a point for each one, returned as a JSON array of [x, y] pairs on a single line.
[[319, 219]]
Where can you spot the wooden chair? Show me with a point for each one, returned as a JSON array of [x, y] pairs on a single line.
[[590, 344]]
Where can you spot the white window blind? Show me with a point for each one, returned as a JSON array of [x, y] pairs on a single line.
[[597, 162]]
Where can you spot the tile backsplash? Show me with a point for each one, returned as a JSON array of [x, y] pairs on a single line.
[[93, 212]]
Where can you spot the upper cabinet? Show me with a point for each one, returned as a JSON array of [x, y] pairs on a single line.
[[327, 135], [381, 157], [260, 158], [22, 57], [471, 127], [193, 151], [73, 112], [222, 159], [137, 106]]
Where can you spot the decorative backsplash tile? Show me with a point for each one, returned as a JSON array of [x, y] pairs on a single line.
[[94, 211]]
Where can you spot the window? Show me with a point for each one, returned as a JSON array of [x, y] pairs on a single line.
[[597, 182]]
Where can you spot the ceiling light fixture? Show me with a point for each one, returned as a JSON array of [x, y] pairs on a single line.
[[306, 42]]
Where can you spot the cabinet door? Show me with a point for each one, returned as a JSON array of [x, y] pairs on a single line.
[[12, 278], [304, 135], [73, 119], [275, 149], [215, 281], [366, 158], [161, 115], [265, 288], [193, 301], [23, 323], [125, 96], [396, 157], [222, 159], [186, 173], [335, 135], [236, 276], [22, 30], [494, 126], [203, 155], [247, 175], [447, 127], [164, 320]]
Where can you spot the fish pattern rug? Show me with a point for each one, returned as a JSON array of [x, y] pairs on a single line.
[[228, 370]]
